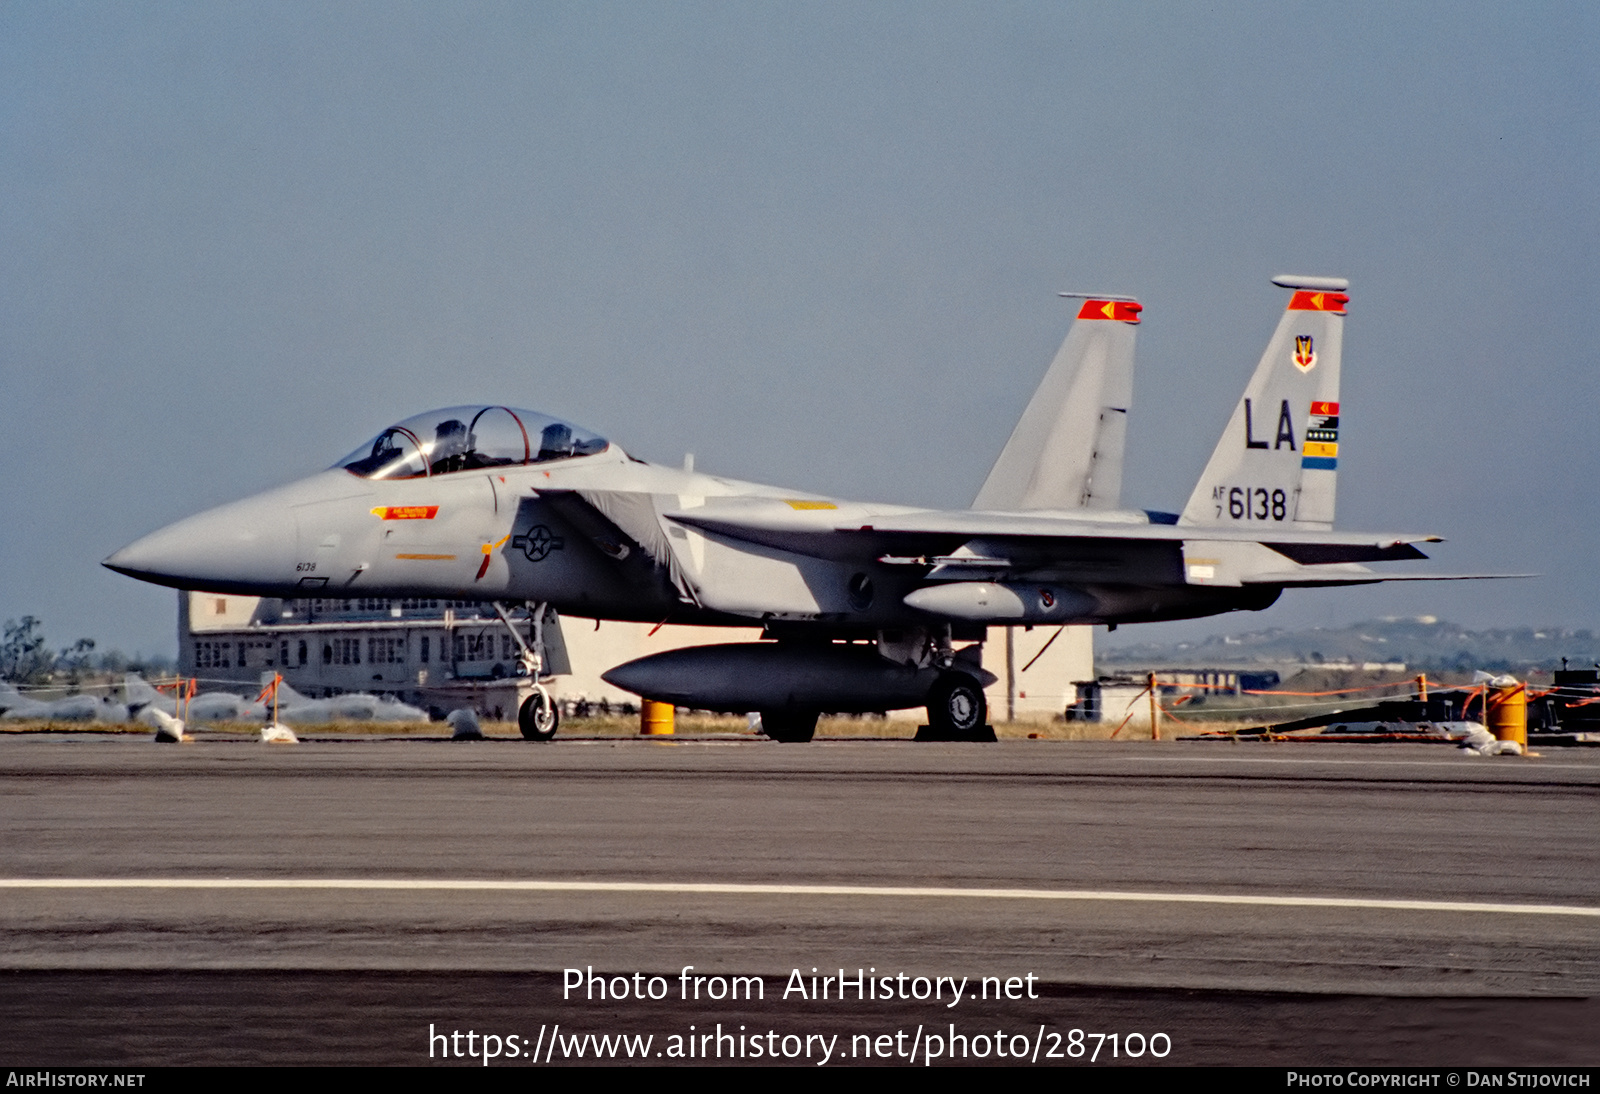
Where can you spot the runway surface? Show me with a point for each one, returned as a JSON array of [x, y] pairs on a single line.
[[1360, 903]]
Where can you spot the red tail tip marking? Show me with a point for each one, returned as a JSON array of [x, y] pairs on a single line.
[[1319, 301], [1126, 311]]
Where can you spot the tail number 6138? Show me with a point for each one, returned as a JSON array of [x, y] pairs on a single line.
[[1256, 503]]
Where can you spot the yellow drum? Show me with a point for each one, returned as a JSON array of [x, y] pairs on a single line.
[[655, 719], [1508, 713]]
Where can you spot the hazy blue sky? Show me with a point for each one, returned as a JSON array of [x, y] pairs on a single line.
[[815, 244]]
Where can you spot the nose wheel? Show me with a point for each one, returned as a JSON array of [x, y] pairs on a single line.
[[539, 716]]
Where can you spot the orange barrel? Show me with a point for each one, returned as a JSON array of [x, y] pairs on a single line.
[[1508, 713], [655, 719]]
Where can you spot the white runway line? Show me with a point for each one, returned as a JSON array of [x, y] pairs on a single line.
[[737, 889]]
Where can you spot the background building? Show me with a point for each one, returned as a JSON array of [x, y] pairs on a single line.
[[441, 654]]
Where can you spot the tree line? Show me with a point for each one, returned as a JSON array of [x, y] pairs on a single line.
[[26, 657]]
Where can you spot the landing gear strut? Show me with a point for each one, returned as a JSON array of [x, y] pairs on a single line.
[[539, 716]]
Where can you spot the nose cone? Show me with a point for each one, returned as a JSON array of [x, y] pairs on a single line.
[[244, 547]]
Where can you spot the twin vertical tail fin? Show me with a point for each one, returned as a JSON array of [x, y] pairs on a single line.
[[1067, 449], [1277, 461]]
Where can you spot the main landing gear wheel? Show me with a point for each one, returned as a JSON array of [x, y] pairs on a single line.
[[957, 710], [539, 716], [789, 726]]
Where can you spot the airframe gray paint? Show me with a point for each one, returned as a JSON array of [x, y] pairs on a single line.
[[621, 539]]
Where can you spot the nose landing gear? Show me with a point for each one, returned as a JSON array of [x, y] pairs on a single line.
[[539, 716]]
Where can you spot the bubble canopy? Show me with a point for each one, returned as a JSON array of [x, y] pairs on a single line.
[[468, 438]]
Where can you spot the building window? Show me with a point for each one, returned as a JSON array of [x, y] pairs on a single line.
[[249, 656], [422, 650], [475, 647], [212, 655], [302, 653], [255, 653], [386, 651]]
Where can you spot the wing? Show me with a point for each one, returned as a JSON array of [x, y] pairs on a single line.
[[973, 545]]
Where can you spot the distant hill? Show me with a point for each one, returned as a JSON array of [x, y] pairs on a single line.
[[1422, 643]]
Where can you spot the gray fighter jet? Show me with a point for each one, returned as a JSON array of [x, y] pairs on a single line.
[[209, 706], [16, 707], [298, 709], [864, 606]]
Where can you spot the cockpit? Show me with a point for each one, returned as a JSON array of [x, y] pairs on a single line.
[[468, 438]]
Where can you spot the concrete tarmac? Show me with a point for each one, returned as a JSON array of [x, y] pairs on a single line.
[[1463, 965]]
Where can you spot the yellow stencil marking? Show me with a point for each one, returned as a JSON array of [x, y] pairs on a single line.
[[796, 504]]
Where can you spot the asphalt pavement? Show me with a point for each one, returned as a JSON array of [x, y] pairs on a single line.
[[1382, 903]]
